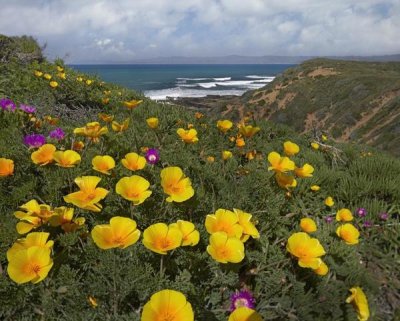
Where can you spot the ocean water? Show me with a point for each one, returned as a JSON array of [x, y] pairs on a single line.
[[161, 81]]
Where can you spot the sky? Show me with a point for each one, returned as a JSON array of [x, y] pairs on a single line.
[[89, 31]]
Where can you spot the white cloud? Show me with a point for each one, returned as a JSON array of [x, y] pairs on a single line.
[[109, 30]]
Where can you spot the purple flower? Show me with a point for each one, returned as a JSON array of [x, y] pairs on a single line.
[[28, 109], [57, 133], [34, 140], [329, 219], [243, 298], [152, 156], [384, 216], [7, 104], [361, 212], [367, 224]]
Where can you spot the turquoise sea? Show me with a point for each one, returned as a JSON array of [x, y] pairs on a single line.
[[160, 81]]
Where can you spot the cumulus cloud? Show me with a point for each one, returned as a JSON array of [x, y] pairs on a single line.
[[120, 31]]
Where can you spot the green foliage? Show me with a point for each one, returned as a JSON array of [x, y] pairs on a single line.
[[122, 281]]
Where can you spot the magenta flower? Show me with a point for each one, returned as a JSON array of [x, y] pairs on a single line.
[[7, 104], [152, 156], [367, 224], [34, 140], [243, 298], [57, 133], [361, 212], [28, 109], [384, 216], [329, 219]]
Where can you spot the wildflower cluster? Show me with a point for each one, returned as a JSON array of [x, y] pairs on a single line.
[[136, 207]]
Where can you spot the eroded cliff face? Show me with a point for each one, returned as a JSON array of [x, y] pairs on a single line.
[[348, 100]]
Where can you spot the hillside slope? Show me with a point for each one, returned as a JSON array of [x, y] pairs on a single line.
[[67, 194], [350, 101]]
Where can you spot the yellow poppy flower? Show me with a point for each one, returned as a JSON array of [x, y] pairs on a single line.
[[106, 118], [89, 82], [44, 155], [244, 314], [224, 221], [92, 301], [33, 216], [6, 167], [280, 164], [68, 158], [38, 239], [290, 149], [80, 79], [188, 136], [119, 128], [344, 215], [132, 103], [103, 164], [198, 115], [329, 201], [226, 154], [161, 238], [210, 159], [30, 265], [224, 125], [53, 84], [38, 73], [239, 142], [249, 229], [308, 250], [78, 146], [60, 69], [105, 101], [62, 75], [305, 171], [324, 138], [89, 196], [63, 216], [251, 155], [51, 120], [285, 181], [167, 305], [315, 145], [121, 233], [190, 236], [308, 225], [224, 249], [92, 130], [47, 76], [133, 162], [134, 188], [152, 122], [348, 233], [176, 185], [248, 131], [27, 224], [360, 303], [322, 269], [315, 188]]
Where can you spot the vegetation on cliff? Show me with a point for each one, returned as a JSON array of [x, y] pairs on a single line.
[[232, 189]]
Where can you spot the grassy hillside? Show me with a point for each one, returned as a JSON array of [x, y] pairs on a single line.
[[87, 282], [348, 100]]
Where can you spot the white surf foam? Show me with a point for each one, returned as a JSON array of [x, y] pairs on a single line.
[[176, 92], [257, 76], [222, 79]]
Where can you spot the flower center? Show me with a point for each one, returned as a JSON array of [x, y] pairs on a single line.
[[167, 317], [241, 303]]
